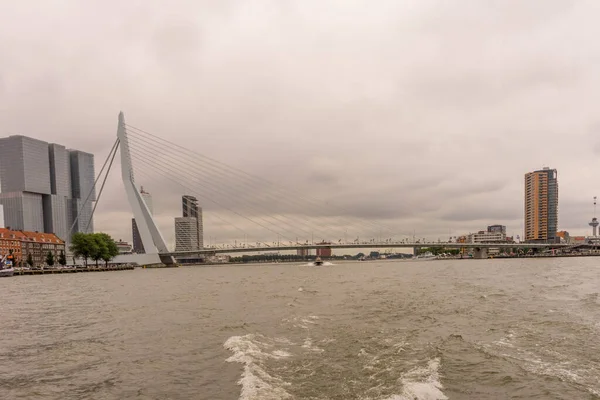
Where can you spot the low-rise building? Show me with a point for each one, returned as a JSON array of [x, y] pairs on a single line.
[[10, 243], [486, 237], [302, 252], [494, 234], [324, 251], [39, 245], [563, 236]]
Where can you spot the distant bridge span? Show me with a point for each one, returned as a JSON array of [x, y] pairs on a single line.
[[476, 246], [206, 181]]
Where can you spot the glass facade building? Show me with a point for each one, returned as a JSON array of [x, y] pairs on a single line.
[[186, 234], [43, 186], [190, 208], [24, 165], [23, 211]]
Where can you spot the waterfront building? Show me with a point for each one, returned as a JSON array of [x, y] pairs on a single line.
[[138, 246], [303, 252], [10, 241], [494, 234], [23, 243], [186, 234], [83, 191], [486, 237], [541, 205], [24, 180], [39, 245], [564, 236], [43, 186], [191, 209], [577, 239], [324, 251]]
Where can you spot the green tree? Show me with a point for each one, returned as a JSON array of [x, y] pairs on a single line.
[[29, 260], [83, 245], [62, 259], [99, 248], [50, 259], [110, 248]]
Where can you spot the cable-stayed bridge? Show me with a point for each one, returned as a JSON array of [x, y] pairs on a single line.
[[247, 208]]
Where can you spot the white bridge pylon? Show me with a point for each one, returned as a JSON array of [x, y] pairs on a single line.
[[152, 239]]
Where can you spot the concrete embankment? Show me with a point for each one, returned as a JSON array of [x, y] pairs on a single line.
[[72, 270]]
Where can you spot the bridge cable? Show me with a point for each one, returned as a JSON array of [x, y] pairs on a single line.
[[246, 176], [113, 149], [102, 186], [346, 222], [141, 154], [233, 170], [150, 176], [238, 214]]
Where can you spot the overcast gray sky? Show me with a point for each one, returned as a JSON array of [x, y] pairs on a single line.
[[423, 113]]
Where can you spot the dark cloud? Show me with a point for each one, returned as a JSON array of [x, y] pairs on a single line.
[[421, 115]]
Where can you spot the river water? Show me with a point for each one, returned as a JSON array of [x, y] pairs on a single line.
[[472, 329]]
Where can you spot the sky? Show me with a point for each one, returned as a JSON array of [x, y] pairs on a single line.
[[421, 115]]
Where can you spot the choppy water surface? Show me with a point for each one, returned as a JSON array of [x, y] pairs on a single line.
[[489, 329]]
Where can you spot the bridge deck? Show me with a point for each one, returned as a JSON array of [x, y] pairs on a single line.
[[370, 246]]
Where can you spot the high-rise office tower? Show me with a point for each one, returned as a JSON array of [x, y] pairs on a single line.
[[186, 234], [138, 246], [541, 205], [190, 208], [25, 179], [56, 205], [83, 192], [40, 182]]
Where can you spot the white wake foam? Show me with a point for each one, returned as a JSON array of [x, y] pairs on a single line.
[[252, 351], [421, 383]]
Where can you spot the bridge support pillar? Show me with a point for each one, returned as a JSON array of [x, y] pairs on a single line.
[[480, 252], [416, 251]]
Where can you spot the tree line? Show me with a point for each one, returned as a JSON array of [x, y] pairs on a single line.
[[94, 246]]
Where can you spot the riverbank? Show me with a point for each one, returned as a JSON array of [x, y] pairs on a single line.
[[72, 270]]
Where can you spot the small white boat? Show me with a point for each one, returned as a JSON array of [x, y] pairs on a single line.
[[318, 261], [7, 272]]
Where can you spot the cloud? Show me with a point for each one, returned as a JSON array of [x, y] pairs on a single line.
[[417, 115]]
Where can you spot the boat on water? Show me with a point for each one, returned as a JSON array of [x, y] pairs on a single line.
[[318, 261], [6, 267], [425, 257]]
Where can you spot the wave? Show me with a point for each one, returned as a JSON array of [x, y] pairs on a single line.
[[422, 383], [253, 351], [544, 360]]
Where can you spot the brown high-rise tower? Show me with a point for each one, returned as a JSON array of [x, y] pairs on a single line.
[[541, 205]]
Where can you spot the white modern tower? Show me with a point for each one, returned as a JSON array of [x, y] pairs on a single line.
[[152, 239]]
